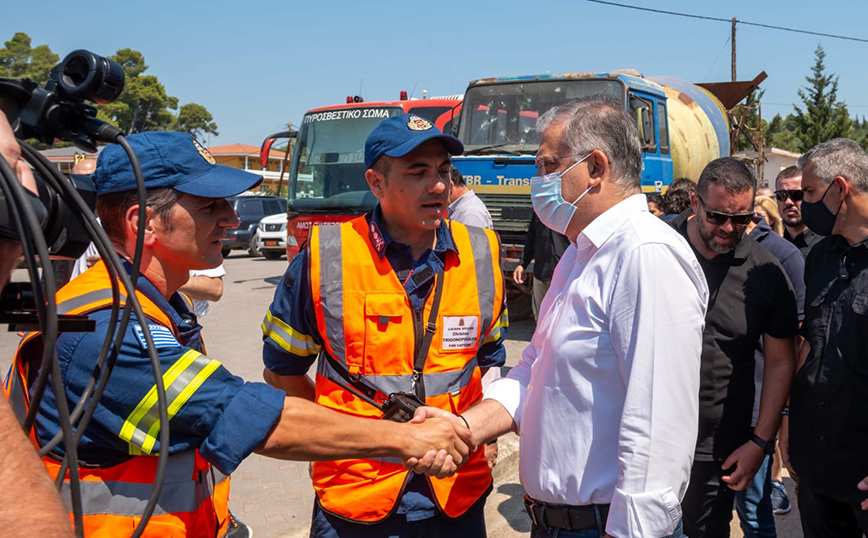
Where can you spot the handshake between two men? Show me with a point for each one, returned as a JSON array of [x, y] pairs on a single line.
[[488, 419]]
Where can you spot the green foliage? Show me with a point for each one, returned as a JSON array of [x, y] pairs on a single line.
[[781, 133], [194, 119], [19, 59], [824, 117], [144, 105]]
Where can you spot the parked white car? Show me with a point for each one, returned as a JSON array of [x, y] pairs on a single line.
[[270, 237]]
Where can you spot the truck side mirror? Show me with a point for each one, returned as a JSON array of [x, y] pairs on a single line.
[[647, 126]]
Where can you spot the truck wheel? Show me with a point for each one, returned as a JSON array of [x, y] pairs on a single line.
[[254, 247]]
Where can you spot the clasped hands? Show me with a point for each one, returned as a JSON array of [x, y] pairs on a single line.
[[441, 443]]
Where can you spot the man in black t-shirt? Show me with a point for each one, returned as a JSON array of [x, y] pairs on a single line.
[[750, 298]]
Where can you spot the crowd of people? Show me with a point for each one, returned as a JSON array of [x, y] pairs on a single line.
[[685, 346]]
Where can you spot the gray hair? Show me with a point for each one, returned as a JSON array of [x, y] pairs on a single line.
[[727, 172], [838, 157], [599, 122]]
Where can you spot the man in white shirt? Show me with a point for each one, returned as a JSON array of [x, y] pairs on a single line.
[[605, 396], [465, 207]]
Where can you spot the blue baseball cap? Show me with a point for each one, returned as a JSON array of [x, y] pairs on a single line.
[[175, 160], [400, 135]]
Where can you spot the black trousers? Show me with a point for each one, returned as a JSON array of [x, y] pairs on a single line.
[[707, 504], [825, 517]]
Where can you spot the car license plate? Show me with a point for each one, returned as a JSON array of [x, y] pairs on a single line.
[[271, 243]]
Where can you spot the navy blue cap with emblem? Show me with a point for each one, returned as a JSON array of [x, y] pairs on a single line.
[[175, 160], [400, 135]]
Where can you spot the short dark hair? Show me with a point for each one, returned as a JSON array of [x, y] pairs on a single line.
[[676, 201], [727, 172], [383, 165], [682, 184], [457, 178], [787, 173], [677, 197], [654, 198], [112, 207]]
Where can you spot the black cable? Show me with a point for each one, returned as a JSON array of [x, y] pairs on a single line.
[[162, 403], [29, 227], [718, 19], [104, 246]]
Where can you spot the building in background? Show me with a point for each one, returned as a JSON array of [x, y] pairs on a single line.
[[775, 161], [246, 157]]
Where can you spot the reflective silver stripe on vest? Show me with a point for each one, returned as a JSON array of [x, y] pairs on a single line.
[[485, 278], [74, 303], [332, 288], [180, 492], [436, 383]]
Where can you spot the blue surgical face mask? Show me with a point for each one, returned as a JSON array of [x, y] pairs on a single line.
[[549, 203]]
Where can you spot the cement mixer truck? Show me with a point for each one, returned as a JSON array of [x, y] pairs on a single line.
[[682, 127]]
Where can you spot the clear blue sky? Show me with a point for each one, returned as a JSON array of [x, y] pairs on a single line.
[[256, 65]]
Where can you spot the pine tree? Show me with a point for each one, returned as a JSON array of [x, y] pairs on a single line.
[[824, 116]]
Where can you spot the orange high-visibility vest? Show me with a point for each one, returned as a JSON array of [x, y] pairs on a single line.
[[194, 497], [369, 327]]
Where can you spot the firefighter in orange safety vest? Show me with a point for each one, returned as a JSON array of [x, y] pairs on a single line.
[[399, 303]]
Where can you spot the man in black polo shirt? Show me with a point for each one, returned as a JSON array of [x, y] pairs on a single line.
[[750, 298], [828, 423], [788, 195]]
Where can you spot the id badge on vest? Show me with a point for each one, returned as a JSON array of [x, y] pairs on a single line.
[[459, 333]]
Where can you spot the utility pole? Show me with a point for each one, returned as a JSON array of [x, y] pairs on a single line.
[[734, 77]]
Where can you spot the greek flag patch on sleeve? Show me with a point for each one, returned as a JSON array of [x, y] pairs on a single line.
[[163, 337]]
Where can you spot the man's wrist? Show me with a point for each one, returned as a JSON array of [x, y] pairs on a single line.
[[768, 447]]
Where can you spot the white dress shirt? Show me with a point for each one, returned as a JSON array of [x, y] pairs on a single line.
[[606, 395]]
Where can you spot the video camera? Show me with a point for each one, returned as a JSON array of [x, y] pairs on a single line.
[[59, 111], [59, 222]]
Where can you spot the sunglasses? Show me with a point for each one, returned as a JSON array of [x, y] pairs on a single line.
[[719, 219], [794, 195]]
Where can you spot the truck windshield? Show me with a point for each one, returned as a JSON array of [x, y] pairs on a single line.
[[501, 117], [328, 164]]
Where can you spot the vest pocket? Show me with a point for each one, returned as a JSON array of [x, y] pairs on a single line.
[[388, 334]]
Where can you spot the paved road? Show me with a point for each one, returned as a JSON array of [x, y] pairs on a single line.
[[275, 497]]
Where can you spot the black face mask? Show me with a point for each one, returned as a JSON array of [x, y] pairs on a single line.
[[818, 217]]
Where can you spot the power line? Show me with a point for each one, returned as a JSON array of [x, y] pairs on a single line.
[[728, 38], [718, 19]]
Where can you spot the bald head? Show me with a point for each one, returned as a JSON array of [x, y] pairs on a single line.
[[84, 167]]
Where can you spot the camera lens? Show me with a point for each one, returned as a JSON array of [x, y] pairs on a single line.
[[86, 75]]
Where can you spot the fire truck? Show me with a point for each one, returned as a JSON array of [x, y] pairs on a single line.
[[326, 183]]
